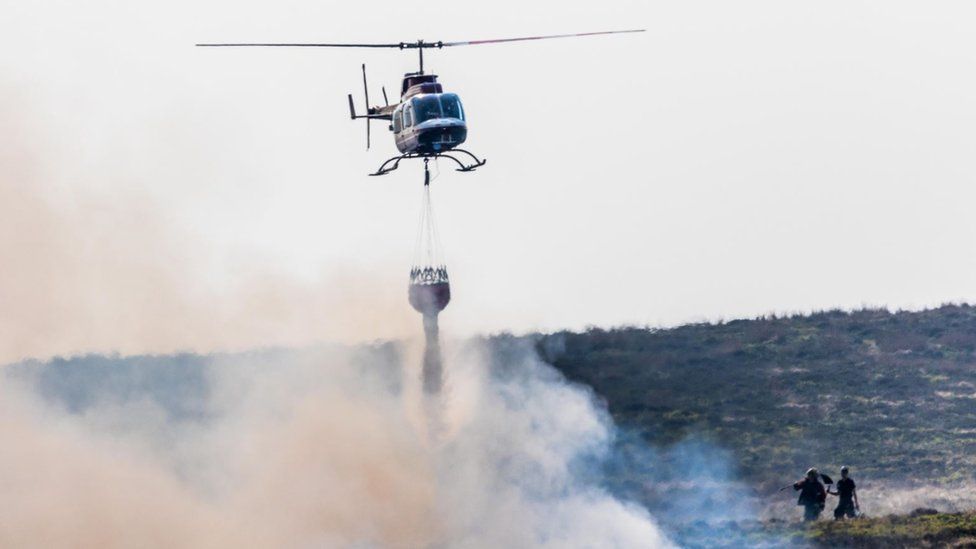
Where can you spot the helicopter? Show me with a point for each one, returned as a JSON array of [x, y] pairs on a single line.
[[428, 123]]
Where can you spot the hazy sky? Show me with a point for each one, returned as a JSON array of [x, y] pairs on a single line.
[[736, 159]]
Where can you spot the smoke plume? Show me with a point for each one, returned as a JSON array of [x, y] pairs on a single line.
[[325, 447]]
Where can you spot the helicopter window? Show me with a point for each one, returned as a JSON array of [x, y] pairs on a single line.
[[407, 116], [451, 104], [397, 121], [428, 107]]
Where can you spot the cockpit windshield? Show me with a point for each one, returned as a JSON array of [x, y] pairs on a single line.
[[451, 105], [440, 105], [426, 107]]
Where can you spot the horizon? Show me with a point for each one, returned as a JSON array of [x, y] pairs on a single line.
[[321, 344]]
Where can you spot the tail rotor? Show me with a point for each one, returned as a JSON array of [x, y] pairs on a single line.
[[366, 93], [369, 112]]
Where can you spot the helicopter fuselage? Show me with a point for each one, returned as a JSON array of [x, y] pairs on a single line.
[[427, 123], [422, 125], [427, 120]]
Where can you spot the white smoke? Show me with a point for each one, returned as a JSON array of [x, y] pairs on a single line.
[[324, 448]]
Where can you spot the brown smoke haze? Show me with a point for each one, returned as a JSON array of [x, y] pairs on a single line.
[[321, 451], [90, 266]]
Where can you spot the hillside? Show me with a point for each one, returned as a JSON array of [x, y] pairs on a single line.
[[712, 419], [891, 394]]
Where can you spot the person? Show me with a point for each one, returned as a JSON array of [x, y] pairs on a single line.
[[813, 496], [847, 491]]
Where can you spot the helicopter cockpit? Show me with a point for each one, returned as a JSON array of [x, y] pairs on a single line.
[[422, 108], [429, 122], [437, 105]]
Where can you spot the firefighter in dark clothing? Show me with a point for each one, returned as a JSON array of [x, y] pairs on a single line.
[[812, 495], [848, 505]]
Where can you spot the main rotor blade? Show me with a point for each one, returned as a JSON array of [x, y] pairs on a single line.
[[285, 45], [499, 40], [409, 45]]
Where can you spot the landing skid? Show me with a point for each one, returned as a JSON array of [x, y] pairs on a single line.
[[466, 166]]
